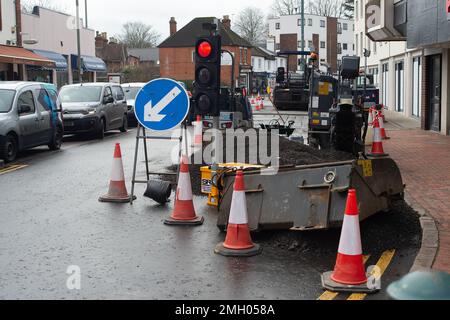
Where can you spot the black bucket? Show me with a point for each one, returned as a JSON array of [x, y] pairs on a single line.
[[159, 191]]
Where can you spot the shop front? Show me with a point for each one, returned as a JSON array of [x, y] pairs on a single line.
[[57, 75], [91, 67], [13, 59]]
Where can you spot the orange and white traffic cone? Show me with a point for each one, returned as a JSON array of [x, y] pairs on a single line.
[[382, 128], [377, 146], [184, 211], [369, 135], [238, 242], [198, 133], [349, 274], [117, 189]]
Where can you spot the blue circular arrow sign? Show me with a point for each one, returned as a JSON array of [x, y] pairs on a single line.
[[162, 105]]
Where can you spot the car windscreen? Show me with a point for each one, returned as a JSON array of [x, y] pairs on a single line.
[[80, 94], [6, 100], [131, 92]]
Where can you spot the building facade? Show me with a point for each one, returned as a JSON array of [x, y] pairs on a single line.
[[409, 46], [330, 37], [176, 53], [56, 36], [265, 64], [13, 57]]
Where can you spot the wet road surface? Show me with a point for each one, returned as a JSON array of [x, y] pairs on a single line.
[[50, 219]]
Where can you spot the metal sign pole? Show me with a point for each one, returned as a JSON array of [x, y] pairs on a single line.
[[133, 181]]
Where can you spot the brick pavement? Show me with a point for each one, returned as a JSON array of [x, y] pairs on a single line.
[[424, 159]]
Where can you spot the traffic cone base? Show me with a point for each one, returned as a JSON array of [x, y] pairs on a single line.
[[223, 251], [198, 221], [329, 284], [117, 189]]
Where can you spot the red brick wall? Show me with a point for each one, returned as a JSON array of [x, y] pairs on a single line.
[[332, 43], [177, 63], [289, 42]]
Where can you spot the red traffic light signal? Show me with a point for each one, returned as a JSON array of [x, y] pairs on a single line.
[[204, 49]]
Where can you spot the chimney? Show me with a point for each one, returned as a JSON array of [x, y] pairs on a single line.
[[173, 26], [226, 22], [18, 23], [101, 40]]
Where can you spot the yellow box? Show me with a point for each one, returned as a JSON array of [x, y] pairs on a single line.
[[207, 184]]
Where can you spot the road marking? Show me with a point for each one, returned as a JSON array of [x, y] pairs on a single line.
[[12, 168], [328, 295], [383, 264]]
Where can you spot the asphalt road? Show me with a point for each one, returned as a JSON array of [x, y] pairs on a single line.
[[50, 219]]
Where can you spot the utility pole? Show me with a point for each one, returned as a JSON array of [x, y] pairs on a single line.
[[86, 12], [302, 8], [80, 69]]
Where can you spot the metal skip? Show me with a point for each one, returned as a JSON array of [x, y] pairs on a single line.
[[314, 197]]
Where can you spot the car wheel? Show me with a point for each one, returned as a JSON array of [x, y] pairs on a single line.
[[8, 151], [124, 127], [57, 140], [101, 129]]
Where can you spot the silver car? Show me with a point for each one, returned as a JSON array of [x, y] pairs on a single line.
[[131, 91], [93, 108], [29, 117]]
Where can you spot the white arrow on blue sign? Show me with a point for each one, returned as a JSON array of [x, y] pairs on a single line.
[[162, 104]]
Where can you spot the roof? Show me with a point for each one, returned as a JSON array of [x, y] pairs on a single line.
[[92, 84], [16, 85], [261, 52], [18, 55], [147, 54], [133, 84], [187, 36], [112, 52]]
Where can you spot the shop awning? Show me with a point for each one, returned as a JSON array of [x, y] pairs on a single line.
[[58, 59], [17, 55], [89, 64]]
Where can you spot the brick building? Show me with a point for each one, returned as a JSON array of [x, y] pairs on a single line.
[[331, 38], [176, 53], [113, 53]]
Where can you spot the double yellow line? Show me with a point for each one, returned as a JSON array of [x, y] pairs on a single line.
[[12, 168], [382, 264]]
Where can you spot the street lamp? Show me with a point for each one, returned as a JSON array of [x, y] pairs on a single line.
[[80, 69]]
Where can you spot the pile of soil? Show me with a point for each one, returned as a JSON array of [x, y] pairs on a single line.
[[397, 229], [291, 153]]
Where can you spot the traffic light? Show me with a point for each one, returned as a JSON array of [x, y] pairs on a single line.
[[208, 53]]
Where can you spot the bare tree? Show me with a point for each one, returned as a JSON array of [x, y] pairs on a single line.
[[138, 35], [328, 8], [250, 25], [349, 9], [284, 7], [28, 5]]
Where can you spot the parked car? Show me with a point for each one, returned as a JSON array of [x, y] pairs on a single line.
[[29, 117], [93, 108], [131, 92]]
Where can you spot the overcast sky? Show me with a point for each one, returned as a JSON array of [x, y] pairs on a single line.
[[109, 15]]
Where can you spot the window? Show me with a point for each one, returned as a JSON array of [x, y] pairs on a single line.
[[356, 9], [356, 44], [345, 26], [339, 28], [345, 46], [277, 26], [310, 44], [322, 44], [416, 89], [108, 93], [339, 48], [27, 99], [299, 22], [385, 84], [260, 63], [43, 101], [245, 55], [322, 23], [310, 22], [374, 47], [278, 46], [118, 93], [299, 44], [399, 87]]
